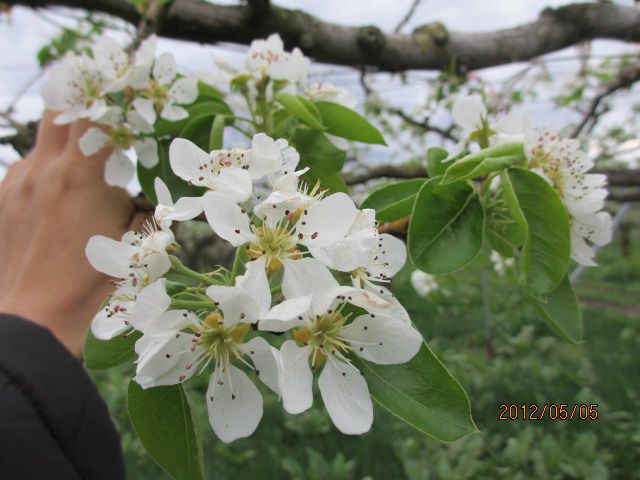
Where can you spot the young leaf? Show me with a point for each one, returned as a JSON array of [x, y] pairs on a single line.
[[485, 161], [446, 227], [301, 108], [545, 253], [395, 200], [161, 417], [318, 153], [423, 394], [562, 313], [344, 122], [216, 133], [102, 354], [435, 164], [165, 128]]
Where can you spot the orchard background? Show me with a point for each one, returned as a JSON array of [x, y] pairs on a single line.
[[573, 66]]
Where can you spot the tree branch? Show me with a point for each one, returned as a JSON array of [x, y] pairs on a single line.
[[430, 47], [625, 79], [423, 124]]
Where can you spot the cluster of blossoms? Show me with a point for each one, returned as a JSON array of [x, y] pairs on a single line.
[[424, 283], [558, 160], [123, 92], [296, 242]]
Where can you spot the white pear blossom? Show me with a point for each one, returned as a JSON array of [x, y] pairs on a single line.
[[324, 333], [76, 87], [120, 137], [226, 172], [424, 283], [564, 165], [323, 223], [162, 92], [177, 343], [268, 58], [500, 264]]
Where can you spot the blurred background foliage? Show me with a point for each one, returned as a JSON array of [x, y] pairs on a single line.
[[529, 364]]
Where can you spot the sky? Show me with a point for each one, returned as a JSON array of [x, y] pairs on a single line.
[[24, 32]]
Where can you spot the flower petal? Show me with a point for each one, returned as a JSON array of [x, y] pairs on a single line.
[[391, 257], [186, 208], [92, 141], [346, 397], [234, 404], [307, 276], [296, 378], [468, 111], [233, 182], [256, 284], [327, 221], [165, 360], [187, 159], [227, 219], [164, 70], [147, 150], [265, 156], [173, 112], [109, 256], [184, 90], [151, 302], [237, 305], [162, 192], [118, 171], [382, 340], [286, 315], [265, 358]]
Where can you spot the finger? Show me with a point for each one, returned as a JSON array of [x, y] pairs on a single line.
[[51, 139]]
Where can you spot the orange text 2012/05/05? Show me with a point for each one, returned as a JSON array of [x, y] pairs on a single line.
[[549, 411]]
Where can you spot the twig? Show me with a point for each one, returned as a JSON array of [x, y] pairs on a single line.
[[397, 227], [423, 124], [408, 15]]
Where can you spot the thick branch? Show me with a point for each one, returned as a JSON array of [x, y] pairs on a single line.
[[429, 47]]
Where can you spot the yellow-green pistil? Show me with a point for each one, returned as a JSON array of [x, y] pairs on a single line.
[[324, 336]]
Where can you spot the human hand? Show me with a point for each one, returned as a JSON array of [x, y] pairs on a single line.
[[51, 203]]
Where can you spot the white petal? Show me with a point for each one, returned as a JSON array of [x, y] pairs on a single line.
[[346, 397], [110, 256], [382, 340], [164, 70], [147, 150], [166, 361], [146, 109], [186, 208], [152, 302], [391, 257], [256, 284], [286, 315], [106, 327], [157, 264], [233, 182], [234, 404], [173, 113], [236, 304], [265, 358], [118, 170], [184, 90], [468, 111], [162, 192], [227, 219], [186, 159], [146, 51], [93, 141], [265, 156], [350, 253], [307, 276], [328, 220], [296, 378]]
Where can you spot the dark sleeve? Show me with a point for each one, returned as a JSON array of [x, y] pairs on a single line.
[[53, 422]]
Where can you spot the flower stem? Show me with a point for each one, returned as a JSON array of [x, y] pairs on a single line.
[[181, 268], [234, 268], [191, 304]]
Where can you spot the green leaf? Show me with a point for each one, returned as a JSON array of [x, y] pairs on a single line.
[[102, 354], [209, 92], [344, 122], [162, 419], [165, 128], [547, 246], [318, 153], [485, 161], [301, 108], [395, 200], [177, 186], [435, 164], [562, 313], [198, 131], [216, 134], [423, 394], [446, 227]]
